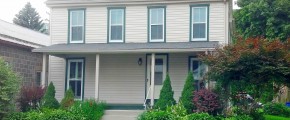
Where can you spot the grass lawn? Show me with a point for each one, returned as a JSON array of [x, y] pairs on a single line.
[[271, 117]]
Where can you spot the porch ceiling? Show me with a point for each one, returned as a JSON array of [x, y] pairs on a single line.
[[90, 48]]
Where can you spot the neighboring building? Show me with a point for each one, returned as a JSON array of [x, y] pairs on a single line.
[[16, 43], [119, 51]]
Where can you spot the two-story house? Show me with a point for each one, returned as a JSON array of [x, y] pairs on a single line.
[[120, 51]]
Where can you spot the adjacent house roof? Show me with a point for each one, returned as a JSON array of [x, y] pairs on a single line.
[[22, 36], [128, 47]]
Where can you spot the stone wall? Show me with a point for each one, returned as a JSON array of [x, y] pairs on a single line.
[[22, 60]]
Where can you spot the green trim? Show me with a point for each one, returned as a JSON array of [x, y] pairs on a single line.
[[190, 20], [108, 24], [189, 60], [84, 35], [148, 23], [125, 107], [66, 73]]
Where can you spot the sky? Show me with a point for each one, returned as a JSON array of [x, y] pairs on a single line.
[[8, 8]]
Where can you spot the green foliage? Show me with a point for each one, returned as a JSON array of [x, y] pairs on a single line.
[[51, 114], [277, 109], [68, 99], [268, 18], [48, 100], [271, 117], [187, 93], [9, 87], [88, 109], [199, 116], [177, 111], [240, 117], [29, 18], [166, 95], [15, 116], [155, 115]]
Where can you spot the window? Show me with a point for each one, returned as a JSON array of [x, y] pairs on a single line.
[[75, 76], [156, 24], [38, 78], [199, 23], [199, 69], [77, 26], [116, 25]]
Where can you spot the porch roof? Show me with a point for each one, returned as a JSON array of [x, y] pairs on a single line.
[[128, 47]]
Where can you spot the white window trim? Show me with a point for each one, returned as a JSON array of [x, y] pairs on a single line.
[[206, 24], [71, 26], [110, 25], [82, 79], [156, 40]]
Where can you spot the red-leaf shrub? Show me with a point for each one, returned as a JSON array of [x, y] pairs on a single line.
[[205, 101], [30, 97]]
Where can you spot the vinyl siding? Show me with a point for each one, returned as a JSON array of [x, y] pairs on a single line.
[[122, 79], [177, 26]]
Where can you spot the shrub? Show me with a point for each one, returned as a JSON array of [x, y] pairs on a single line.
[[186, 95], [276, 109], [68, 100], [177, 111], [166, 95], [30, 97], [155, 115], [199, 116], [205, 101], [271, 117], [9, 86], [240, 117], [48, 100], [15, 116], [60, 115], [88, 109]]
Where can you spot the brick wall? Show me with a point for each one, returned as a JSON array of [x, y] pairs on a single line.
[[22, 60]]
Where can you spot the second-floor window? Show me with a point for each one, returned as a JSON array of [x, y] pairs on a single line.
[[116, 25], [199, 23], [77, 26], [156, 24]]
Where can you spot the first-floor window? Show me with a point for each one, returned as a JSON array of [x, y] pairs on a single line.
[[198, 69], [75, 76]]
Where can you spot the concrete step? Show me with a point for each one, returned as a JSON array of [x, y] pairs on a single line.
[[121, 114]]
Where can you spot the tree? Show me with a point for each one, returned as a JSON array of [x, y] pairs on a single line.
[[268, 18], [9, 86], [187, 93], [68, 99], [166, 95], [28, 17], [243, 3], [255, 66], [48, 100]]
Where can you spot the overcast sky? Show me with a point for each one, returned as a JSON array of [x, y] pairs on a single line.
[[8, 8]]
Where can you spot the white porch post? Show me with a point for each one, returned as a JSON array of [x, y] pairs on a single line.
[[97, 76], [206, 70], [152, 78], [43, 73]]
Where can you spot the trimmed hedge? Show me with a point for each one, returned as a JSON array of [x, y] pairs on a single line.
[[48, 100], [187, 93], [277, 109]]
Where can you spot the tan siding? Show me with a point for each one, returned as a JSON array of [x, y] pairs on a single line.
[[122, 79], [96, 25], [136, 24], [59, 25], [177, 26], [57, 75], [89, 85], [217, 22]]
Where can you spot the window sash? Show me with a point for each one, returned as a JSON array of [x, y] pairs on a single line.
[[199, 22], [69, 79], [77, 25], [111, 24], [156, 24]]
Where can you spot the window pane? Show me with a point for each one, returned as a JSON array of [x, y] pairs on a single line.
[[77, 17], [117, 17], [203, 15], [199, 15], [72, 72], [156, 31], [158, 72], [116, 32], [77, 33], [80, 68], [76, 88], [156, 15], [196, 14], [198, 30]]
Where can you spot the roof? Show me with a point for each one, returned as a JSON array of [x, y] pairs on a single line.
[[23, 36], [128, 47]]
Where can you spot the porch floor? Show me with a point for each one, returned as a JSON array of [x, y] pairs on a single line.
[[121, 114]]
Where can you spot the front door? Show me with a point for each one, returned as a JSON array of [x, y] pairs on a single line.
[[160, 74]]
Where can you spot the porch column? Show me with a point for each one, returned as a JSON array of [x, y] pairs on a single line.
[[206, 70], [152, 78], [43, 73], [97, 75]]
